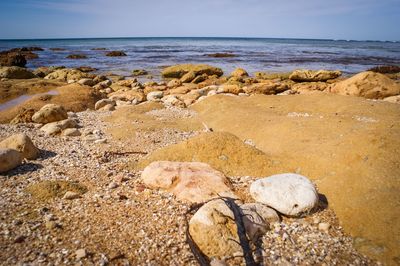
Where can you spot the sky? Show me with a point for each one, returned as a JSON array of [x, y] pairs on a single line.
[[314, 19]]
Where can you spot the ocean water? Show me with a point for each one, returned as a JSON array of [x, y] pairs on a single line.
[[253, 54]]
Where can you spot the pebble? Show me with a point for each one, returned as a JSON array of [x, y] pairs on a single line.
[[80, 253], [112, 185], [324, 227], [70, 195]]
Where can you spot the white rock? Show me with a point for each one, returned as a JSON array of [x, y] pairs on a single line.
[[9, 159], [80, 253], [70, 195], [290, 194], [324, 227], [154, 95], [71, 132], [86, 81]]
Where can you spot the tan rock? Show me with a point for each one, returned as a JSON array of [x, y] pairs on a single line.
[[188, 77], [71, 132], [127, 95], [103, 102], [189, 181], [9, 159], [50, 113], [174, 83], [239, 72], [23, 144], [68, 74], [392, 99], [309, 87], [178, 71], [266, 88], [369, 85], [25, 116], [234, 89], [15, 72], [199, 78], [313, 75], [56, 127]]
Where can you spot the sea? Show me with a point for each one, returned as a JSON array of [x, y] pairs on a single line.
[[252, 54]]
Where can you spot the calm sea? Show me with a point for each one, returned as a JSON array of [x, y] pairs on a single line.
[[252, 54]]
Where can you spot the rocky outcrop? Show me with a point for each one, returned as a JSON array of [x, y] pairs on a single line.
[[178, 71], [290, 194], [50, 113], [266, 88], [76, 56], [347, 145], [139, 72], [12, 59], [15, 72], [313, 75], [9, 159], [369, 85], [239, 72], [189, 181], [23, 144]]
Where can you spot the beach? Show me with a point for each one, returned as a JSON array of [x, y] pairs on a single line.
[[126, 144]]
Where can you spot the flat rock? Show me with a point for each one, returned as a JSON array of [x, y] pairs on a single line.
[[22, 143], [50, 113], [189, 181], [178, 71], [9, 159], [290, 194], [15, 72], [56, 127]]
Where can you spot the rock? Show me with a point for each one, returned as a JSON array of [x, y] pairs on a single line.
[[67, 74], [80, 254], [86, 69], [154, 96], [12, 59], [239, 72], [178, 71], [76, 56], [50, 113], [116, 53], [86, 81], [314, 76], [270, 75], [392, 99], [188, 77], [130, 95], [22, 143], [290, 194], [55, 128], [71, 132], [15, 72], [174, 83], [199, 78], [324, 227], [214, 230], [369, 85], [44, 71], [220, 55], [385, 69], [234, 89], [104, 102], [108, 107], [189, 181], [309, 87], [139, 72], [266, 88], [9, 159], [127, 83], [112, 185], [71, 195], [221, 150], [172, 100]]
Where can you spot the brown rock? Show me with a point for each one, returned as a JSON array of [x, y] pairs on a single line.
[[116, 53], [15, 72], [188, 77], [265, 88], [239, 72], [313, 75]]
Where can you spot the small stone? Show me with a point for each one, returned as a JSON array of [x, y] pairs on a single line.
[[70, 195], [80, 253], [19, 239], [71, 132], [112, 185], [324, 227]]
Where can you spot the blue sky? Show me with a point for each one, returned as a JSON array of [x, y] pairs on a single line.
[[331, 19]]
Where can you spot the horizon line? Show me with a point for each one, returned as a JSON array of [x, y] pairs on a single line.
[[192, 37]]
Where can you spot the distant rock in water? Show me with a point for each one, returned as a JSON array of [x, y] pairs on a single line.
[[57, 49], [99, 49], [220, 55], [139, 72], [12, 59], [116, 53], [76, 56], [385, 69], [86, 69]]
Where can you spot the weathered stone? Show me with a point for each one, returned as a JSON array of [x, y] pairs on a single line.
[[188, 77], [189, 181], [265, 88], [313, 75], [55, 128], [100, 104], [23, 144], [178, 71], [9, 159], [239, 72], [154, 96], [50, 113], [15, 72]]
